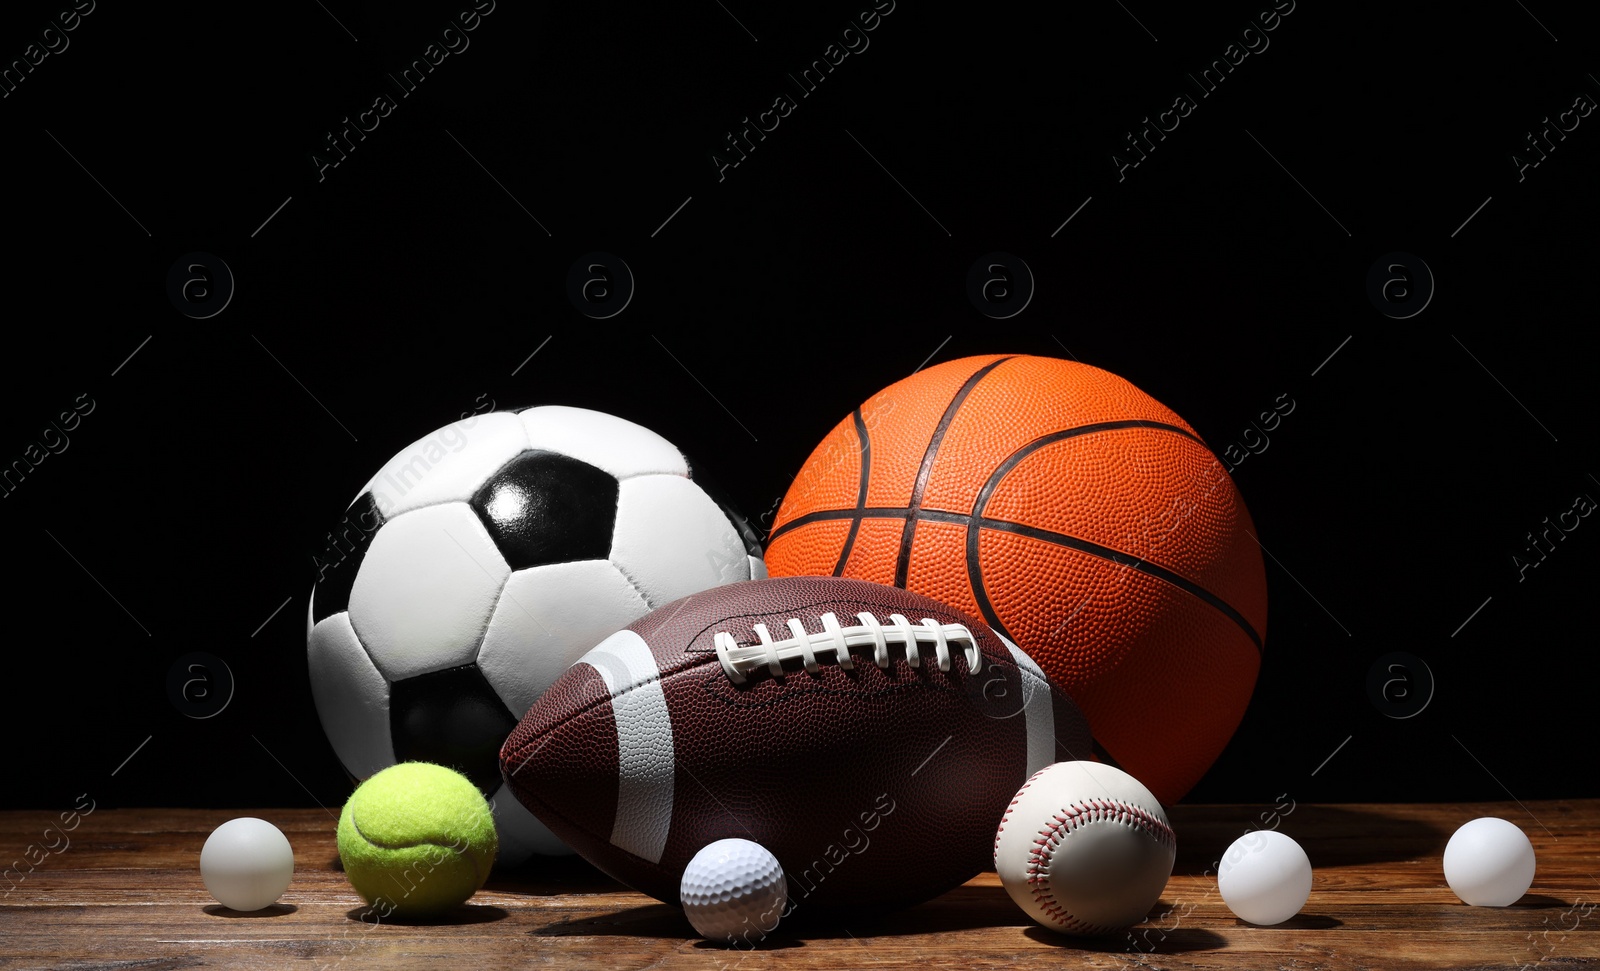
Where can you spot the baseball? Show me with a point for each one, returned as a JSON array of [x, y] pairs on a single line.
[[1084, 848]]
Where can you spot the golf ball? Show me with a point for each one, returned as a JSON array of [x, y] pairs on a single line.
[[1489, 862], [247, 863], [733, 890], [1265, 877]]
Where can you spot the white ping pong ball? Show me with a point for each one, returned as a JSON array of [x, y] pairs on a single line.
[[1489, 862], [247, 863], [1265, 877]]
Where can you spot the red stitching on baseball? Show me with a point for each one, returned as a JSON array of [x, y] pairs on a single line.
[[1063, 823], [1007, 814]]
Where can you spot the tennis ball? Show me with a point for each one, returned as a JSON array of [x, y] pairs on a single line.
[[416, 840]]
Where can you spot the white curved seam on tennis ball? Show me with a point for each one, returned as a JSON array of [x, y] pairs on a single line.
[[477, 880], [400, 846]]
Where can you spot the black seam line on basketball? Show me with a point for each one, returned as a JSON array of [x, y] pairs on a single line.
[[876, 512], [974, 574], [1083, 546], [907, 535], [1138, 563], [861, 491], [939, 515], [824, 515]]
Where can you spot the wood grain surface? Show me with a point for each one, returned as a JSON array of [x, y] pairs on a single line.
[[125, 893]]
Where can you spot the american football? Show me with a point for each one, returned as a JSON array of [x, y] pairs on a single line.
[[817, 716]]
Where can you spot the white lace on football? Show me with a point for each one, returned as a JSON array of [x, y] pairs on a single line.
[[737, 661]]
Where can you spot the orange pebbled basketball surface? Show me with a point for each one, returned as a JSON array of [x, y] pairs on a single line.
[[1082, 518]]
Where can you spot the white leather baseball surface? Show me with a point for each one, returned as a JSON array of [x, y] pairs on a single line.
[[1084, 848]]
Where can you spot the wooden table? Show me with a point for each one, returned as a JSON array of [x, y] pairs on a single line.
[[126, 894]]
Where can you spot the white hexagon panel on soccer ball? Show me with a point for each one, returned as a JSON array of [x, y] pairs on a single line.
[[548, 617], [604, 441], [351, 696], [672, 540], [426, 589], [449, 464]]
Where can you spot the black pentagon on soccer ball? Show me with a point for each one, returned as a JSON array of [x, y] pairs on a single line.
[[343, 549], [451, 718], [545, 507]]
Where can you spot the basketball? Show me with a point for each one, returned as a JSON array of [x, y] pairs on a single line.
[[1083, 519]]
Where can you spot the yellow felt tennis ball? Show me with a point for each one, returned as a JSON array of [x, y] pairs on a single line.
[[416, 840]]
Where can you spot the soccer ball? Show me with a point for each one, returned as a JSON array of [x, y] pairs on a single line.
[[480, 563]]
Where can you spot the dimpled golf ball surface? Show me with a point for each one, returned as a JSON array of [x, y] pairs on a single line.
[[1489, 862], [1265, 877], [733, 888], [247, 863]]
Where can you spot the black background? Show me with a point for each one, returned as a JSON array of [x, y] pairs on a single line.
[[406, 286]]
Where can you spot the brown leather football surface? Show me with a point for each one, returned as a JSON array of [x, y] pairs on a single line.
[[873, 786]]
